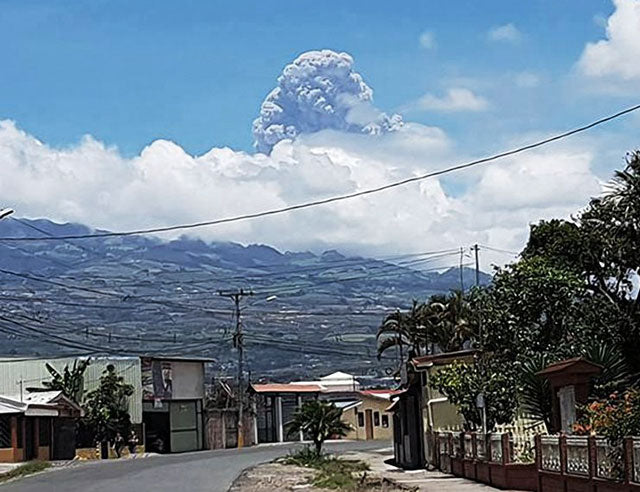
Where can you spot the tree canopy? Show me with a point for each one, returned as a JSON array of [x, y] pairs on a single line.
[[573, 292]]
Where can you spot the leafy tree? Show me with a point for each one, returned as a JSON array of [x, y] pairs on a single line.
[[106, 407], [602, 247], [462, 383], [70, 381], [319, 420]]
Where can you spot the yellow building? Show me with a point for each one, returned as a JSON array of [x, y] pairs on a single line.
[[367, 415]]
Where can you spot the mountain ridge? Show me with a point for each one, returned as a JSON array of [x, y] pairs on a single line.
[[144, 294]]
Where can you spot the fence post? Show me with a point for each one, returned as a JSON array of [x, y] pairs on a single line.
[[563, 454], [474, 445], [506, 449], [628, 460], [592, 456], [537, 439]]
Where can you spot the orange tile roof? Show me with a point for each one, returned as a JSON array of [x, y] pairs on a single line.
[[286, 388]]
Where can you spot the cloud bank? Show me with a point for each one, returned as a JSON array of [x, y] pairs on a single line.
[[617, 55], [456, 99], [94, 184], [506, 33]]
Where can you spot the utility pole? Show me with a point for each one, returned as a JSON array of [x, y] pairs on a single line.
[[461, 271], [475, 248], [238, 342]]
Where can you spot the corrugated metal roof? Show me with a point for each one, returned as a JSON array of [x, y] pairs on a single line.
[[33, 373]]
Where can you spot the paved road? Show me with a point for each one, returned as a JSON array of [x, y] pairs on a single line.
[[210, 471]]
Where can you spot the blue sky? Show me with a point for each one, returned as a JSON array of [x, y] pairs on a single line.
[[162, 87], [196, 72]]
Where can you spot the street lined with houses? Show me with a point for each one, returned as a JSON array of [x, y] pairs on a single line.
[[226, 267], [205, 471]]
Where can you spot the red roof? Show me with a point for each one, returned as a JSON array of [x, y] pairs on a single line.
[[577, 364], [286, 388]]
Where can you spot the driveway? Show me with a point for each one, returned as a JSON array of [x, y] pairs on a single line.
[[210, 471]]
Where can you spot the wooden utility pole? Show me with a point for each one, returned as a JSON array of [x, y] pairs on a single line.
[[475, 248], [238, 343], [461, 271]]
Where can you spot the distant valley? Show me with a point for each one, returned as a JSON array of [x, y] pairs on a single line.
[[309, 314]]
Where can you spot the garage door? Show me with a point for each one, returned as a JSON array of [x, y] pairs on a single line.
[[186, 421]]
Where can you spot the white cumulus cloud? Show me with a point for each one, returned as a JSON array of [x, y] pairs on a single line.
[[320, 90], [94, 184], [427, 40], [507, 32], [454, 100], [617, 55]]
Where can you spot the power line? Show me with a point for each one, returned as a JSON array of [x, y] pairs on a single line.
[[338, 198]]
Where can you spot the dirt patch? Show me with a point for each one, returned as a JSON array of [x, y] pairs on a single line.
[[276, 477]]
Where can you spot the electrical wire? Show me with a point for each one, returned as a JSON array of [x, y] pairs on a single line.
[[338, 198]]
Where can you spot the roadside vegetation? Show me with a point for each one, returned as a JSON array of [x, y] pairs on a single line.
[[23, 470], [333, 473]]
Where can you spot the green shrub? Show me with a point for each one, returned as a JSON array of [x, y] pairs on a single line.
[[24, 470]]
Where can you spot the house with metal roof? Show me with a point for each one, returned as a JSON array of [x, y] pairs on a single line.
[[40, 425], [166, 407]]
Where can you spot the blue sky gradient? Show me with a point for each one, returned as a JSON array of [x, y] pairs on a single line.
[[196, 72]]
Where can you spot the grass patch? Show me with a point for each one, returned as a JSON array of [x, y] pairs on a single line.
[[333, 473], [23, 470]]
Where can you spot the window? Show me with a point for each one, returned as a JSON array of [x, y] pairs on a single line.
[[376, 419], [360, 419], [5, 431], [44, 431], [385, 420]]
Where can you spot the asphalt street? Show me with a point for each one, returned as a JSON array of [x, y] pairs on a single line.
[[210, 471]]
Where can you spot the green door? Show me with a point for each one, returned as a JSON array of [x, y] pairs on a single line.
[[186, 430]]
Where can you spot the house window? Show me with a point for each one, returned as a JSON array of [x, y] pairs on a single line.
[[376, 419], [385, 420], [5, 431], [44, 431], [360, 419]]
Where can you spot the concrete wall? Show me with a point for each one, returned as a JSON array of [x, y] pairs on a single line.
[[188, 380]]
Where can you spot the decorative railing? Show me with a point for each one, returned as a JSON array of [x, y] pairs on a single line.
[[590, 457], [550, 453], [635, 459], [610, 460], [478, 447], [481, 446], [468, 446], [496, 448], [578, 455], [444, 443], [457, 445]]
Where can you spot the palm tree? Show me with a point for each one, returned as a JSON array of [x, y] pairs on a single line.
[[444, 321], [319, 420], [455, 326], [404, 329]]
